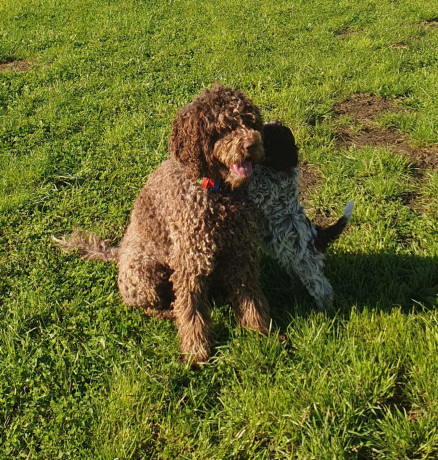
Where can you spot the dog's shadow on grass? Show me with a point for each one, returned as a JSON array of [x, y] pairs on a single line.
[[377, 281]]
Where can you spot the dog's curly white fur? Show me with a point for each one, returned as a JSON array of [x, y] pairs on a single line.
[[288, 235]]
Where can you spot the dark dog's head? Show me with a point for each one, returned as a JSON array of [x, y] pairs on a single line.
[[218, 135], [281, 152]]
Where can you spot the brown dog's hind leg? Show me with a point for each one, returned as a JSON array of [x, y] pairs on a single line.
[[144, 283]]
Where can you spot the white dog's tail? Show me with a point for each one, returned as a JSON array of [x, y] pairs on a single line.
[[327, 235], [89, 246], [348, 211]]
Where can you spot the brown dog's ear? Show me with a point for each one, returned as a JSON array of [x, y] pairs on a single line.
[[188, 141]]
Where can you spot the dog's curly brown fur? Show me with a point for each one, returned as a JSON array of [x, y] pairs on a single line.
[[182, 236]]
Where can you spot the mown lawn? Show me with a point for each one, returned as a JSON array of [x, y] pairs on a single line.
[[88, 91]]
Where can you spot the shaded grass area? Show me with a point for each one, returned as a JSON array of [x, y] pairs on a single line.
[[84, 122]]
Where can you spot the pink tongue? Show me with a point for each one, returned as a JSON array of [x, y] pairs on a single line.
[[242, 170]]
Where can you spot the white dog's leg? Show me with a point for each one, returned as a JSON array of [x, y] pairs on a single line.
[[310, 271]]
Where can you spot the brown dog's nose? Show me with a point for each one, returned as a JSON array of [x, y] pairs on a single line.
[[248, 144], [251, 144]]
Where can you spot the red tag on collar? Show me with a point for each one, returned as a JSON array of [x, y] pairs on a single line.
[[209, 184]]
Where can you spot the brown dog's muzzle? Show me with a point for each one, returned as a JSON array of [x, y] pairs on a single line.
[[239, 151], [253, 147]]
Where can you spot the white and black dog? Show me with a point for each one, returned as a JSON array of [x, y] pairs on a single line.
[[288, 235]]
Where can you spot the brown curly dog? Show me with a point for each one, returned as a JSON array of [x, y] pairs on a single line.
[[192, 224]]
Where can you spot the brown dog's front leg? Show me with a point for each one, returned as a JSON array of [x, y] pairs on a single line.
[[251, 307], [192, 316], [240, 278]]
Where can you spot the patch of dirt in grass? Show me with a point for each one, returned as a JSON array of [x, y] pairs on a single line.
[[346, 32], [366, 110], [410, 199], [365, 107], [322, 218], [16, 66], [415, 413], [399, 46], [430, 23], [310, 178], [362, 113]]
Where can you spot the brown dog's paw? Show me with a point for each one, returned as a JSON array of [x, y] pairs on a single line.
[[195, 358]]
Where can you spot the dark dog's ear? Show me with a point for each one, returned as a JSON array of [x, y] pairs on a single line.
[[188, 143], [281, 152]]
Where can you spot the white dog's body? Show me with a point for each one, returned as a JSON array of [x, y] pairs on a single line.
[[288, 235]]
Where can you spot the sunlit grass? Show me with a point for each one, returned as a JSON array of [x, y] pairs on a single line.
[[83, 376]]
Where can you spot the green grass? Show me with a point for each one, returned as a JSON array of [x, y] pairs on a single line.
[[81, 375]]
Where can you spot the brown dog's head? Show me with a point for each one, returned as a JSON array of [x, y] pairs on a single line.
[[218, 135]]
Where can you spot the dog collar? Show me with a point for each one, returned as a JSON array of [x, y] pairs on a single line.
[[209, 184]]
